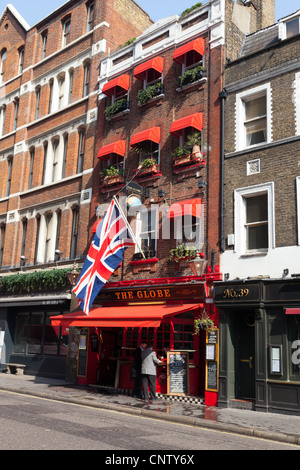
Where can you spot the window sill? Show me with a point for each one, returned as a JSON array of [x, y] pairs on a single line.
[[117, 116], [191, 86], [255, 253], [144, 265], [156, 100]]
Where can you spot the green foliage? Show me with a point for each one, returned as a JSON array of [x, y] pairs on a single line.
[[189, 10], [127, 43], [182, 252], [193, 139], [38, 281], [116, 107], [149, 162], [204, 322], [179, 152], [191, 75], [111, 171], [150, 92]]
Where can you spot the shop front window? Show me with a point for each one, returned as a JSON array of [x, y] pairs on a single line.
[[131, 341], [35, 335]]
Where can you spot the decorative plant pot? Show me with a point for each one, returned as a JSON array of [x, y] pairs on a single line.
[[145, 170], [110, 180]]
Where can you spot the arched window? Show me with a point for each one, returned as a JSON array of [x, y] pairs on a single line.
[[3, 56]]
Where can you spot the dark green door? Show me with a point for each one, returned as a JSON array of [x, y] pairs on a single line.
[[245, 359]]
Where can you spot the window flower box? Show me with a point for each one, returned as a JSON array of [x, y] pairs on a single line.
[[149, 93], [115, 108], [191, 75]]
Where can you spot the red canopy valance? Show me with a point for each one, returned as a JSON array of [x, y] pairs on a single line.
[[122, 81], [186, 207], [157, 63], [152, 134], [193, 120], [197, 45], [117, 147], [133, 316]]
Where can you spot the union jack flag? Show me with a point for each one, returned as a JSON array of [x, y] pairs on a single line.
[[111, 239]]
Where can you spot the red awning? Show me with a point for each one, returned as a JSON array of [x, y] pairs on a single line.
[[133, 316], [187, 207], [193, 120], [292, 311], [122, 81], [152, 134], [117, 147], [197, 45], [157, 64]]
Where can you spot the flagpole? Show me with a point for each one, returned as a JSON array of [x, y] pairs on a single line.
[[128, 226]]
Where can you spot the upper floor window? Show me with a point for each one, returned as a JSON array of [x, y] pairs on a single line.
[[37, 102], [117, 92], [9, 174], [66, 31], [21, 59], [51, 87], [254, 219], [74, 234], [2, 236], [44, 43], [253, 120], [292, 27], [32, 154], [61, 91], [90, 16], [71, 79], [81, 150], [2, 120], [2, 64], [147, 230], [16, 111], [86, 79]]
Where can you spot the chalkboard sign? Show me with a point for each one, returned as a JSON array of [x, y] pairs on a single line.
[[82, 352], [178, 372], [212, 375]]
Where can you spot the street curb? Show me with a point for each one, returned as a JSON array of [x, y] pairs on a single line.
[[158, 415]]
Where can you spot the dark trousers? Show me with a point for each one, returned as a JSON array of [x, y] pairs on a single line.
[[149, 380], [137, 385]]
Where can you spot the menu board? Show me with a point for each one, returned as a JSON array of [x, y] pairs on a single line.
[[212, 375], [82, 352], [212, 359], [178, 372]]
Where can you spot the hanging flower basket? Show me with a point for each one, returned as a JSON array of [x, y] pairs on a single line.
[[203, 322]]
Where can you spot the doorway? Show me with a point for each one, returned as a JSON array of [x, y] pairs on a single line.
[[110, 347], [245, 356]]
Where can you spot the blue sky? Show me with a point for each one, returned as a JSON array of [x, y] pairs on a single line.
[[35, 10]]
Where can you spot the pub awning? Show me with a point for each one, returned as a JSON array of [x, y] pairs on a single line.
[[292, 311], [152, 134], [129, 316], [117, 147], [122, 82], [186, 207], [193, 120], [197, 45], [157, 63]]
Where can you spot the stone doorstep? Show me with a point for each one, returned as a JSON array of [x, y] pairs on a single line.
[[241, 404]]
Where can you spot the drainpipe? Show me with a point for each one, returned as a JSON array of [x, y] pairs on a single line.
[[223, 95]]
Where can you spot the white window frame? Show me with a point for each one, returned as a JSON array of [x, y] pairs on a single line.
[[297, 103], [298, 206], [249, 95], [66, 31], [154, 226], [239, 218], [283, 25]]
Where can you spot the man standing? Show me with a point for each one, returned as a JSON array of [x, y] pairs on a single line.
[[137, 364], [149, 363]]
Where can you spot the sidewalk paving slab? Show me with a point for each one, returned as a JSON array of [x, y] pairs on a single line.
[[272, 426]]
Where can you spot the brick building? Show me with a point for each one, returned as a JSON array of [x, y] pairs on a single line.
[[48, 116], [259, 299], [155, 92]]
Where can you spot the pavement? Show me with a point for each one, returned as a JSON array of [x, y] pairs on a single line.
[[272, 426]]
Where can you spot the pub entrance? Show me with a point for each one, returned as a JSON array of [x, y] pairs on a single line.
[[110, 351], [245, 355]]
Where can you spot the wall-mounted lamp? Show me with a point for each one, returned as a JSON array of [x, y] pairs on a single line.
[[73, 275], [23, 260], [198, 265], [226, 276], [201, 184], [161, 193], [58, 254], [285, 272]]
